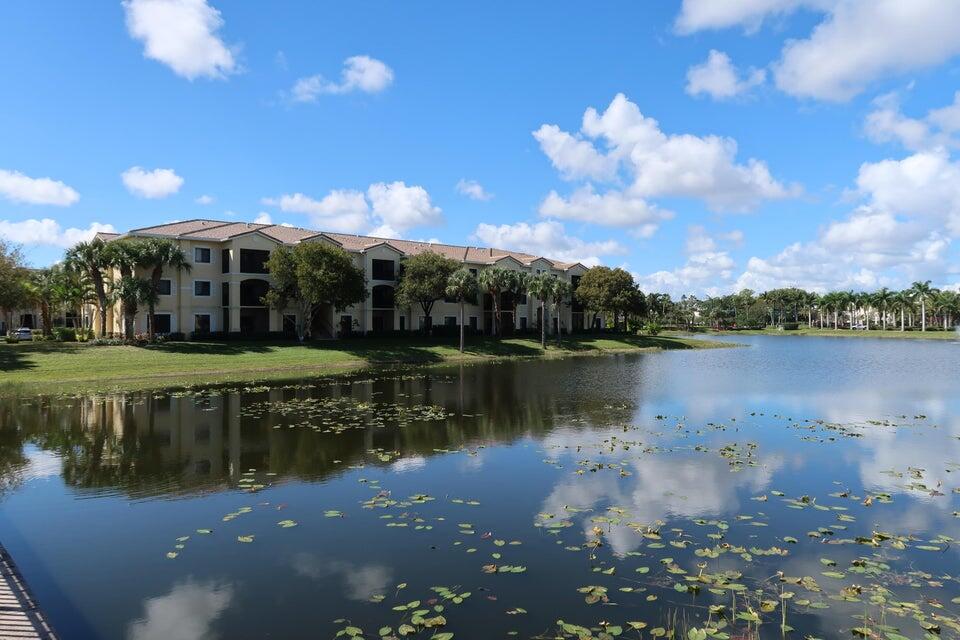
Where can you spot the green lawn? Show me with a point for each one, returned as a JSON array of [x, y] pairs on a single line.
[[929, 334], [67, 367]]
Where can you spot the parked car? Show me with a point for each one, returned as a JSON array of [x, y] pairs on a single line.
[[23, 333]]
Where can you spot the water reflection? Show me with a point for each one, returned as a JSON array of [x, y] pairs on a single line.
[[772, 458]]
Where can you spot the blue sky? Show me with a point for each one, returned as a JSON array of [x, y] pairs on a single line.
[[704, 146]]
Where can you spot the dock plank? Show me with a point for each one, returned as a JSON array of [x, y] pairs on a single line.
[[20, 617]]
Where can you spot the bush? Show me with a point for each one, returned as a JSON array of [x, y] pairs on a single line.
[[652, 328], [789, 326], [64, 334], [12, 339], [107, 342]]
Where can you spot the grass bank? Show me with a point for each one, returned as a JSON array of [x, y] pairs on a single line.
[[848, 333], [58, 367]]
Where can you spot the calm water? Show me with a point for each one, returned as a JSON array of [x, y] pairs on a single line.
[[599, 491]]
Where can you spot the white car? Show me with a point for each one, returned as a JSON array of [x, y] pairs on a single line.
[[23, 333]]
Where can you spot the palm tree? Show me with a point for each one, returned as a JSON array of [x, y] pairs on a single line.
[[903, 301], [159, 254], [541, 286], [92, 259], [559, 291], [40, 291], [922, 292], [127, 256], [946, 304], [495, 281], [882, 300], [461, 286], [73, 290]]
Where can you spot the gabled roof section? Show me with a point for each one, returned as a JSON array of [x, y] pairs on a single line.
[[179, 228]]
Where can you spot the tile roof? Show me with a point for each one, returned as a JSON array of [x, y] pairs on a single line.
[[218, 231]]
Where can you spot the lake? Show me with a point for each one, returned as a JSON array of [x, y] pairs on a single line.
[[810, 484]]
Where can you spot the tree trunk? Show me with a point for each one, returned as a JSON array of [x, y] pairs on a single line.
[[902, 320], [543, 326], [923, 314], [461, 325]]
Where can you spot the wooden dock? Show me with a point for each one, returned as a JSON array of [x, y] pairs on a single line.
[[20, 618]]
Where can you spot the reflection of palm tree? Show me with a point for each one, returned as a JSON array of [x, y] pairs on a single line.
[[922, 292]]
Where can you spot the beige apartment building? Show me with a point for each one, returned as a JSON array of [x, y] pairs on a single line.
[[222, 292]]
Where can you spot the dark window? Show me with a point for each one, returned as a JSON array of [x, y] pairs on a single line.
[[201, 254], [523, 298], [225, 294], [164, 288], [382, 297], [577, 305], [201, 288], [523, 324], [346, 324], [473, 323], [450, 321], [252, 292], [201, 324], [225, 261], [383, 269], [403, 323], [254, 261], [161, 323]]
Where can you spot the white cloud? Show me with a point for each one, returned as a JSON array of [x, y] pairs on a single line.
[[187, 612], [886, 123], [718, 78], [698, 15], [548, 239], [861, 41], [263, 218], [181, 34], [205, 200], [48, 232], [613, 208], [402, 207], [654, 163], [385, 210], [473, 190], [360, 73], [708, 269], [18, 187], [157, 183]]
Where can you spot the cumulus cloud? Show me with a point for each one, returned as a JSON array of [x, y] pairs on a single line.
[[181, 34], [473, 190], [49, 232], [187, 612], [360, 73], [623, 145], [718, 78], [205, 200], [156, 183], [386, 209], [887, 123], [263, 218], [856, 43], [861, 41], [699, 15], [548, 239], [708, 268], [17, 187]]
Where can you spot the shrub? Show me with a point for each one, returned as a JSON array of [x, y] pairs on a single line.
[[12, 339], [652, 328], [64, 334], [789, 326], [107, 342]]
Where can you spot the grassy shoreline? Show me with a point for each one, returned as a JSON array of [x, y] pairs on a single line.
[[44, 367], [843, 333]]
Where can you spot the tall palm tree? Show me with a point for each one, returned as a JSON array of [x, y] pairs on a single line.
[[495, 281], [461, 286], [922, 292], [882, 299], [127, 256], [903, 301], [41, 291], [946, 303], [559, 292], [92, 259], [159, 254], [541, 286]]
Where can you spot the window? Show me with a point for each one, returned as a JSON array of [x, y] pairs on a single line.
[[225, 294], [523, 324], [403, 323], [523, 298], [449, 321], [383, 270], [473, 323], [254, 261], [161, 323], [346, 324], [225, 261], [252, 292], [201, 287], [201, 324], [201, 254], [382, 296], [165, 288]]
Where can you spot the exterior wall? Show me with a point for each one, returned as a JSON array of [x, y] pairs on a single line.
[[183, 305]]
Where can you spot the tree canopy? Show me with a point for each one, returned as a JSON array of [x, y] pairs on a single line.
[[310, 275], [424, 280], [609, 291]]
